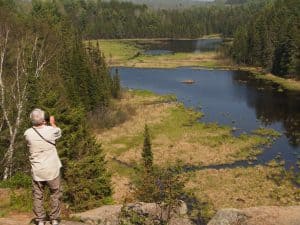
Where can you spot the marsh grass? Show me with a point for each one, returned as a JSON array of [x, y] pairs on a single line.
[[286, 83], [243, 187], [15, 200], [15, 194], [179, 137], [117, 51], [267, 132], [128, 53]]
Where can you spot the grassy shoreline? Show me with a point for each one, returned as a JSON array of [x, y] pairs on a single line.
[[185, 141], [126, 53], [178, 138]]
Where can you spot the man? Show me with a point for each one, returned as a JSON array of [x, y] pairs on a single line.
[[45, 165]]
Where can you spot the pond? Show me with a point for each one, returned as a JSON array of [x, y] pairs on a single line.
[[230, 98], [169, 46]]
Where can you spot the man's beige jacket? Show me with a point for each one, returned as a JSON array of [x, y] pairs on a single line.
[[45, 163]]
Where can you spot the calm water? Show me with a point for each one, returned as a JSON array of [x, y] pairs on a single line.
[[159, 47], [229, 98]]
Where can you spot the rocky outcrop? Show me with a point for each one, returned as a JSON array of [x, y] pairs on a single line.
[[149, 213], [268, 215]]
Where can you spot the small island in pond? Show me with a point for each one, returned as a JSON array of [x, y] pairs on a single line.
[[188, 81]]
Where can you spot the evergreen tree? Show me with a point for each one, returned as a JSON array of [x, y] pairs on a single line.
[[272, 39], [88, 181], [147, 150], [285, 57], [74, 83], [116, 86], [240, 48]]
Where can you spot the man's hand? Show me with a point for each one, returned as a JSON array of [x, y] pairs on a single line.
[[52, 121]]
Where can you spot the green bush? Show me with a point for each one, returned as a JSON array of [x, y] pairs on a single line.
[[19, 180], [87, 181], [21, 201], [130, 217]]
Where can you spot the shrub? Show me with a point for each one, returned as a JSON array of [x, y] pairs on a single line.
[[19, 180], [88, 182], [21, 201], [163, 186]]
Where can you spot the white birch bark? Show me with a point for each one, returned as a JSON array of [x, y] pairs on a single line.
[[14, 93]]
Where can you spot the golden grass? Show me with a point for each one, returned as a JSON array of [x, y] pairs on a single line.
[[4, 200], [126, 53], [117, 52], [122, 191], [209, 59], [242, 187], [290, 84], [176, 136], [147, 111]]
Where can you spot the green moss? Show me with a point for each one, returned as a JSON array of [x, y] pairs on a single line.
[[289, 84], [142, 93], [126, 143], [267, 132], [182, 125], [178, 120], [121, 169], [297, 180], [116, 49]]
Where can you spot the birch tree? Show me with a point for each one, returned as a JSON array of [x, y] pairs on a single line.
[[22, 54]]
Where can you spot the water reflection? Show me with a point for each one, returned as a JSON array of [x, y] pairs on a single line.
[[273, 105], [229, 98]]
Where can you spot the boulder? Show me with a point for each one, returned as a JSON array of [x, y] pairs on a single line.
[[267, 215], [105, 215], [110, 215]]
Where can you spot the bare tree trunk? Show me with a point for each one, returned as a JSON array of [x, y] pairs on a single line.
[[9, 156], [11, 149], [13, 93]]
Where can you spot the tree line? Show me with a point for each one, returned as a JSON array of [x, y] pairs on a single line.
[[114, 19], [44, 64], [271, 39], [266, 33]]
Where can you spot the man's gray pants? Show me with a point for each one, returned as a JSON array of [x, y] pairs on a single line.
[[38, 199]]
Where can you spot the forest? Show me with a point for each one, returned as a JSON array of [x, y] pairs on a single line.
[[44, 62], [271, 39], [266, 33], [113, 19]]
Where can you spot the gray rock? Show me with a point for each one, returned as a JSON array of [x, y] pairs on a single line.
[[109, 215], [105, 215], [228, 217], [265, 215], [71, 223]]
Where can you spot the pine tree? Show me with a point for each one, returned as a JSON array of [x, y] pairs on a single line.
[[116, 86], [147, 150], [240, 45], [88, 182], [285, 57]]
